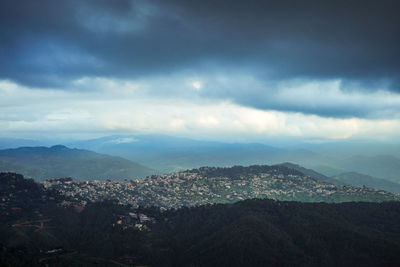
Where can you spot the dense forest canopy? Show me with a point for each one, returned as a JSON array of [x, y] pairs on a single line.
[[47, 228]]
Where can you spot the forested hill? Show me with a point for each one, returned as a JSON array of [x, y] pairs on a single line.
[[61, 232], [272, 233], [60, 161]]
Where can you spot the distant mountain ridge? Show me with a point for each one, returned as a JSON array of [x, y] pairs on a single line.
[[172, 154], [382, 166], [60, 161], [358, 179]]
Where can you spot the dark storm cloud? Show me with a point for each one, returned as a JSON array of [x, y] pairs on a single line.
[[317, 39], [49, 43]]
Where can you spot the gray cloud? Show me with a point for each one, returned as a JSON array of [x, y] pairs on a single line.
[[52, 43], [38, 113]]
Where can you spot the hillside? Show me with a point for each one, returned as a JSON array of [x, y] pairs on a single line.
[[383, 166], [59, 161], [247, 233], [20, 196], [313, 174], [219, 185], [269, 233], [358, 179]]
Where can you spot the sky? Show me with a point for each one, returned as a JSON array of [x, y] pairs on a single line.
[[217, 70]]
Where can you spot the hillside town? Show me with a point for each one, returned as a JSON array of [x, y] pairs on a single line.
[[215, 185]]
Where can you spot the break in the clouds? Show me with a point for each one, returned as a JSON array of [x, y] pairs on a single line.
[[308, 63], [103, 111]]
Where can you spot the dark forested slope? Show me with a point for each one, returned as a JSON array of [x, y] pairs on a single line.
[[270, 233], [247, 233]]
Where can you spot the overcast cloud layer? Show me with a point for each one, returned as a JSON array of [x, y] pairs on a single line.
[[225, 69]]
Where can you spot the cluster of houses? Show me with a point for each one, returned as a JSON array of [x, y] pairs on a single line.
[[138, 221], [192, 188]]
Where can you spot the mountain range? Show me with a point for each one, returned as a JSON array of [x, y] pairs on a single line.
[[167, 154], [60, 161], [358, 179]]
